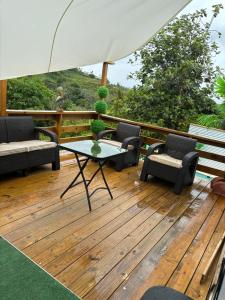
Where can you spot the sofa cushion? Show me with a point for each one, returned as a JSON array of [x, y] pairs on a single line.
[[34, 145], [111, 142], [24, 146], [115, 143], [3, 131], [19, 128], [166, 160], [11, 148]]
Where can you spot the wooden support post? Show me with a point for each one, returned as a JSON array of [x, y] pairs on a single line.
[[58, 126], [104, 73], [3, 97]]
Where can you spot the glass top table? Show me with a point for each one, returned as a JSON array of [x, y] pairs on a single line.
[[100, 152], [93, 149]]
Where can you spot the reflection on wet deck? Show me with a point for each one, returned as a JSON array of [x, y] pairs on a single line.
[[145, 236]]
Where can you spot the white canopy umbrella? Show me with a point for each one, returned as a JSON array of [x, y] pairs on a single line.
[[39, 36]]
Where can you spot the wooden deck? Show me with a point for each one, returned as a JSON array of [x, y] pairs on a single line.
[[145, 236]]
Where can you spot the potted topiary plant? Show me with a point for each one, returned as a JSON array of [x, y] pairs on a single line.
[[101, 105], [97, 126]]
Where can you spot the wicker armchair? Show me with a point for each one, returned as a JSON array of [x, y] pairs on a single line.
[[126, 136], [174, 161]]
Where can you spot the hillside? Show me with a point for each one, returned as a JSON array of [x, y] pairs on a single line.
[[40, 91]]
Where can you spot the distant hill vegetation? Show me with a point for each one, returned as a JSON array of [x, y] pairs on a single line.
[[79, 91]]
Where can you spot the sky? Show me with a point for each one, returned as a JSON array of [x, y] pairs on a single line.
[[119, 72]]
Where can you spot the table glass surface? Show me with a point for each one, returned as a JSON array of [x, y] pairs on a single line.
[[93, 148]]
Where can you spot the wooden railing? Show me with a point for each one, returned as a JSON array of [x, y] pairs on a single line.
[[82, 125], [165, 131], [58, 119]]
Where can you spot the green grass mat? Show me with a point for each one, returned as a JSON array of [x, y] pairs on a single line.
[[22, 279]]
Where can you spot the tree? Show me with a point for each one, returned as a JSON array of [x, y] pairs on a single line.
[[177, 73], [216, 120], [29, 93]]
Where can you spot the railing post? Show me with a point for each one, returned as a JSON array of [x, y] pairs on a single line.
[[58, 125], [3, 97]]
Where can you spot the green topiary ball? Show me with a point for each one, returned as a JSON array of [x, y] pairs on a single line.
[[101, 107], [103, 92], [97, 126]]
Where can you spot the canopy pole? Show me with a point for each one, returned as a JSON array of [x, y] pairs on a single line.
[[104, 73], [3, 97]]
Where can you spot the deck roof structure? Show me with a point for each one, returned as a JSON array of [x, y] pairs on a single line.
[[42, 36]]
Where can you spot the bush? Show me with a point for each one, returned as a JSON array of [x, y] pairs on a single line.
[[97, 126], [101, 107], [103, 92]]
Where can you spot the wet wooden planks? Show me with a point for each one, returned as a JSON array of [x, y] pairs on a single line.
[[145, 236]]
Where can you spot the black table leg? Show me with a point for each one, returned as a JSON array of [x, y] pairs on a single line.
[[87, 182], [103, 176], [81, 167], [72, 184]]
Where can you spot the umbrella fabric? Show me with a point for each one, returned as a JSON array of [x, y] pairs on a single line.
[[39, 36]]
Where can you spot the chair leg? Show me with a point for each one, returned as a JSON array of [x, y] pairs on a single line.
[[25, 172], [56, 165], [178, 187], [119, 164], [118, 167], [144, 174]]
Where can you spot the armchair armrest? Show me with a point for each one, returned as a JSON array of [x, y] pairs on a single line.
[[154, 147], [132, 140], [189, 158], [48, 133], [104, 133]]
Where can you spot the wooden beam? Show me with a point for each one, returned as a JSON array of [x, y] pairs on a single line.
[[104, 73], [3, 97]]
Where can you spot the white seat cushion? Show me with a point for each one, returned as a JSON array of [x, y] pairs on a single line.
[[11, 148], [166, 160], [111, 142], [24, 146], [115, 143], [34, 145]]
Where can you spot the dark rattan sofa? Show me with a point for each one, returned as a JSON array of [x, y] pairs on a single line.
[[21, 148]]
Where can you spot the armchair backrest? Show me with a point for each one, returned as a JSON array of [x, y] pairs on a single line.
[[17, 129], [177, 146], [125, 130]]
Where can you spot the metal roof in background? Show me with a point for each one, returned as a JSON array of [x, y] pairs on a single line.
[[211, 133]]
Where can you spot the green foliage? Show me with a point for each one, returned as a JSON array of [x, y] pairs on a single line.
[[199, 146], [220, 86], [101, 107], [118, 106], [216, 120], [177, 73], [40, 91], [29, 93], [97, 126], [103, 92], [213, 121]]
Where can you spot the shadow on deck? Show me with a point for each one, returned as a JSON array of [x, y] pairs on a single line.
[[145, 236]]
